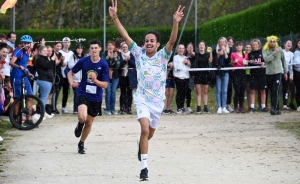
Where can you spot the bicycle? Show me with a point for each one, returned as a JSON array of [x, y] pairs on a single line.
[[20, 110]]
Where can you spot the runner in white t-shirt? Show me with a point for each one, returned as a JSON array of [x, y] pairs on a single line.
[[151, 66]]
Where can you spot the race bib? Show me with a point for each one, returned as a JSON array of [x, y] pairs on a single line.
[[91, 89]]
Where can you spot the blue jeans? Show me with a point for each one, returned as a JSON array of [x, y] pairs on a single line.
[[221, 89], [45, 88], [75, 99], [110, 94]]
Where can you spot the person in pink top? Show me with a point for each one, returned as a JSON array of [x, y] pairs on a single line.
[[239, 59]]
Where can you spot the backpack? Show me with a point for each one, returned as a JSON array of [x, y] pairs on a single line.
[[13, 52]]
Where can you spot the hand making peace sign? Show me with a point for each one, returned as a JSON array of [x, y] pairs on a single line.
[[113, 9], [178, 15]]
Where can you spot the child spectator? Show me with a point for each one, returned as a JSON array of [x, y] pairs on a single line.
[[8, 96]]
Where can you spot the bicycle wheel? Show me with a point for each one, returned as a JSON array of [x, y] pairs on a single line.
[[20, 111]]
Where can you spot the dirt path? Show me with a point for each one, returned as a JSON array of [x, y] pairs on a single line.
[[185, 149]]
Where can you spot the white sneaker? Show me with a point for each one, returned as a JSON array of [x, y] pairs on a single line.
[[219, 110], [298, 109], [64, 110], [36, 117], [48, 115], [179, 111], [186, 111], [225, 111], [229, 108], [190, 110]]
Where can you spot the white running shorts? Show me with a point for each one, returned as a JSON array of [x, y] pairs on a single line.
[[150, 110]]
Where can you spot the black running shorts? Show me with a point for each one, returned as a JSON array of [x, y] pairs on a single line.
[[94, 108]]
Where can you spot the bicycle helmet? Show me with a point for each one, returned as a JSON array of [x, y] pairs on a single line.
[[26, 38]]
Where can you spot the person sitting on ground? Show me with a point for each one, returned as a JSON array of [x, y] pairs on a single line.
[[8, 96]]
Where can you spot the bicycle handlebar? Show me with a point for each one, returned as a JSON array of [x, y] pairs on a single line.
[[25, 72]]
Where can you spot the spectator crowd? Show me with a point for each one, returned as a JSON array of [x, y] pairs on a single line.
[[274, 68]]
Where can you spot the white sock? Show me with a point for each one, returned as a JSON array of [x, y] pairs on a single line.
[[263, 106], [252, 106], [144, 158]]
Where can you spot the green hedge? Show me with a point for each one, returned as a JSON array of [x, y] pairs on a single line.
[[278, 17]]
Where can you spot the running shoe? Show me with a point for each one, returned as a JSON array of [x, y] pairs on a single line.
[[180, 111], [225, 111], [81, 149], [298, 109], [48, 116], [129, 111], [78, 129], [36, 117], [219, 110], [28, 123], [198, 110], [236, 110], [75, 112], [264, 110], [189, 110], [114, 112], [57, 112], [64, 110], [275, 112], [205, 110], [166, 111], [144, 174], [242, 110], [185, 111], [286, 108], [229, 109], [107, 112], [252, 110]]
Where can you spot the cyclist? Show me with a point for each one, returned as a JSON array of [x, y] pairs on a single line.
[[20, 58]]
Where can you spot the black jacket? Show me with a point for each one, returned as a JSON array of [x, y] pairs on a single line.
[[44, 68]]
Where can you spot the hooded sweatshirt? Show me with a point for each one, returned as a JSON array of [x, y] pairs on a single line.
[[274, 61]]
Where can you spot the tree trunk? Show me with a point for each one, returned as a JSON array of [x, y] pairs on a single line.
[[26, 15], [60, 19]]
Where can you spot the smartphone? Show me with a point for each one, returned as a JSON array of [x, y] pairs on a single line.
[[208, 49]]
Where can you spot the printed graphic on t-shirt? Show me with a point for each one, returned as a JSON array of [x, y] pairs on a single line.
[[89, 78], [257, 61], [151, 73]]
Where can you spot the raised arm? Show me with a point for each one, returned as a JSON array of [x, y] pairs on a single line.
[[113, 14], [178, 15]]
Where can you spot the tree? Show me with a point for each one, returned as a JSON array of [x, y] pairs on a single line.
[[79, 14]]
